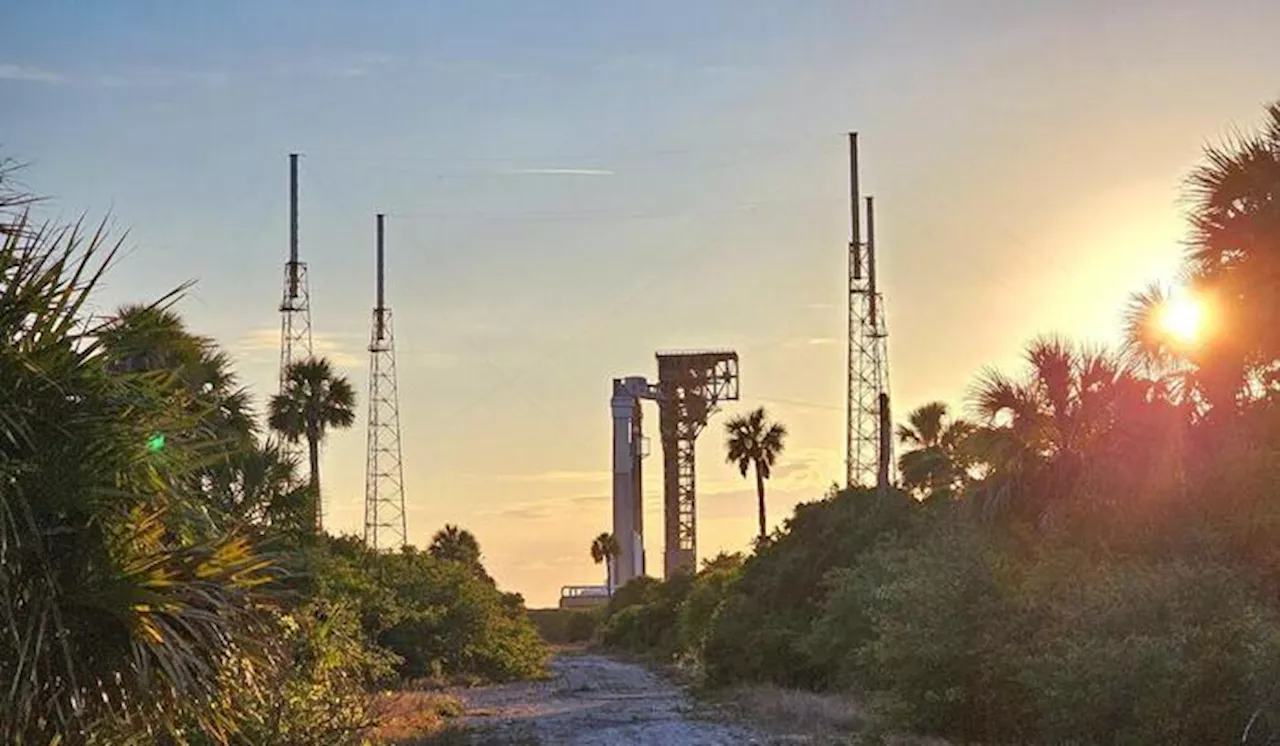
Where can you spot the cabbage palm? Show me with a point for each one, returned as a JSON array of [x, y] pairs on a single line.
[[751, 440], [938, 461], [1233, 262], [259, 483], [115, 612], [1038, 431], [605, 548], [154, 339], [314, 400]]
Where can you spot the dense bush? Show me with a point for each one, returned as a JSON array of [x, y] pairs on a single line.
[[774, 603], [924, 627], [565, 626], [952, 633], [315, 690], [642, 616], [698, 612], [441, 618], [1134, 651]]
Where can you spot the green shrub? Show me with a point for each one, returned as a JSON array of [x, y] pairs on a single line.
[[642, 617], [1134, 652], [313, 688], [757, 633], [440, 617], [565, 626], [696, 614], [925, 628]]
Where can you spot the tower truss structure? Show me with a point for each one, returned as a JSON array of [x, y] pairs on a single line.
[[385, 524], [691, 386], [295, 309], [869, 454]]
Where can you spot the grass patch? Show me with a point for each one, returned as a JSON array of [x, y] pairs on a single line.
[[407, 717], [796, 713]]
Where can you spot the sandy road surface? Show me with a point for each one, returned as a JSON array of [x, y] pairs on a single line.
[[592, 701]]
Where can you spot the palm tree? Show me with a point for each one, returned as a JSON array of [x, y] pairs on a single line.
[[314, 399], [938, 461], [259, 483], [118, 606], [154, 340], [605, 548], [1232, 263], [752, 441], [1042, 435]]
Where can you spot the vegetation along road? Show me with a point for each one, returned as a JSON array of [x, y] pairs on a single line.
[[589, 700]]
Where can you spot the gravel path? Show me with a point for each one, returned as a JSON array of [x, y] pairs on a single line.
[[592, 700]]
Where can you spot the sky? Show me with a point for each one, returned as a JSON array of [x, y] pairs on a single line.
[[571, 186]]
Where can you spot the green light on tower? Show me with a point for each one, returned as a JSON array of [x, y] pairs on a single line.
[[155, 442]]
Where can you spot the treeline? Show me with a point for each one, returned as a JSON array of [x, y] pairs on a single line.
[[162, 576], [1094, 557]]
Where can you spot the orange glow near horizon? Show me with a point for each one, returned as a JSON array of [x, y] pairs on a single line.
[[1183, 319]]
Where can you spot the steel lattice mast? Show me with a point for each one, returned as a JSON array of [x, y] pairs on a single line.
[[691, 386], [869, 456], [295, 306], [385, 526]]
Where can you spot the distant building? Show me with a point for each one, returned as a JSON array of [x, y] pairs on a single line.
[[583, 596]]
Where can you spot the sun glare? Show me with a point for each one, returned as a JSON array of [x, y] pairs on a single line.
[[1183, 319]]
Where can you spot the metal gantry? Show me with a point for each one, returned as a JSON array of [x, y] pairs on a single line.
[[385, 525], [869, 454], [690, 387], [295, 310]]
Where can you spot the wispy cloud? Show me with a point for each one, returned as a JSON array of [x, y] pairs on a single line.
[[146, 77], [819, 341], [559, 477], [339, 66], [558, 172], [263, 344], [29, 74]]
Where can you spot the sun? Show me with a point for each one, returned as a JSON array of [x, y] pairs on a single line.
[[1183, 318]]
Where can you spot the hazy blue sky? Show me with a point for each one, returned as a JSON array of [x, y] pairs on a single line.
[[573, 185]]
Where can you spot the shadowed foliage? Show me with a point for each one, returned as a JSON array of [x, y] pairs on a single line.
[[120, 603]]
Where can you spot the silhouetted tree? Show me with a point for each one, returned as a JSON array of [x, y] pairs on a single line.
[[314, 399], [753, 441], [456, 545], [605, 548], [938, 461]]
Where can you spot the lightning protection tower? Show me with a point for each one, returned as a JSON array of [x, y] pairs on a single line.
[[384, 518], [869, 455], [295, 303]]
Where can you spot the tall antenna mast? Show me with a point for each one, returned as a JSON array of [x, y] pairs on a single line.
[[295, 309], [385, 526], [869, 443]]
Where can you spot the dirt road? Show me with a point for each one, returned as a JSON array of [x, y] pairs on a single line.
[[593, 701]]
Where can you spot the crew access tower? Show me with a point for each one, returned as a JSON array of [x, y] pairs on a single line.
[[689, 389]]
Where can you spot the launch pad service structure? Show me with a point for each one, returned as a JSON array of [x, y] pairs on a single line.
[[689, 389]]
